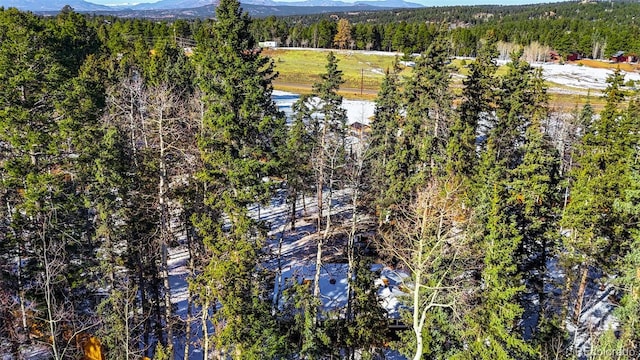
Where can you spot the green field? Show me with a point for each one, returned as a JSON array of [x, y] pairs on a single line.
[[301, 68], [364, 72]]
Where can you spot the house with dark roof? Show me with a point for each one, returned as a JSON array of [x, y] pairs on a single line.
[[618, 57]]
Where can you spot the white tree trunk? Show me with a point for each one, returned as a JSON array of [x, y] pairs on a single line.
[[48, 296], [165, 232]]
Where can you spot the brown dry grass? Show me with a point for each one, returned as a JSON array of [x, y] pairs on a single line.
[[609, 65]]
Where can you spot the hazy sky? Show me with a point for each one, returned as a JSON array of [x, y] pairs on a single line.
[[425, 2]]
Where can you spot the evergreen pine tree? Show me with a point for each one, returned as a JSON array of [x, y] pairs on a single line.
[[491, 324], [477, 104], [383, 141], [428, 112], [629, 337], [625, 340], [241, 130], [597, 230], [514, 199], [369, 327], [516, 101], [535, 200], [47, 124]]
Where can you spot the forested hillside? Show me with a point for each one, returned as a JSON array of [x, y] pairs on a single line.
[[596, 30], [502, 227]]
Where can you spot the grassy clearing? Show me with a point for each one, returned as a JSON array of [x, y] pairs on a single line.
[[305, 67], [299, 69], [569, 102]]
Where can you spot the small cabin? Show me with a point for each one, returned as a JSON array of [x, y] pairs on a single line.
[[574, 56], [359, 129], [618, 57]]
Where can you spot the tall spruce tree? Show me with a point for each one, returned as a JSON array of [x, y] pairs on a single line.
[[597, 230], [516, 102], [478, 99], [622, 342], [428, 111], [491, 331], [241, 131], [509, 201], [501, 152], [383, 141], [535, 201]]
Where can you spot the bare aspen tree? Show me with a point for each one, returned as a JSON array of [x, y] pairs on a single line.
[[53, 265], [428, 240], [354, 178], [162, 103], [327, 129]]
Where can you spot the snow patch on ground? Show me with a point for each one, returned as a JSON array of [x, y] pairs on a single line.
[[334, 286], [581, 77], [389, 290], [598, 306], [357, 110]]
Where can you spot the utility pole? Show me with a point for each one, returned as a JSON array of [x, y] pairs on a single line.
[[361, 80]]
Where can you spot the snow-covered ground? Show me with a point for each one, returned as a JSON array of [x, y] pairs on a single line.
[[577, 79], [291, 255], [598, 306], [580, 77], [357, 110], [178, 272]]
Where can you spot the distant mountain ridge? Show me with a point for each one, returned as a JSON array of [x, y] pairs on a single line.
[[256, 11], [172, 4], [52, 5], [191, 6], [334, 3]]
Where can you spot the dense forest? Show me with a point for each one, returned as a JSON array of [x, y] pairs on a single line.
[[116, 147], [593, 29]]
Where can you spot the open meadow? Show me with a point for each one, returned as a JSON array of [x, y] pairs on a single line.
[[570, 85]]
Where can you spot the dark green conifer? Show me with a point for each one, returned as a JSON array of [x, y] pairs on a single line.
[[428, 112], [241, 131], [597, 231], [478, 100], [385, 171]]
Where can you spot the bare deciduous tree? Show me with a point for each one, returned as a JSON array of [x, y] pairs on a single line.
[[428, 240]]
